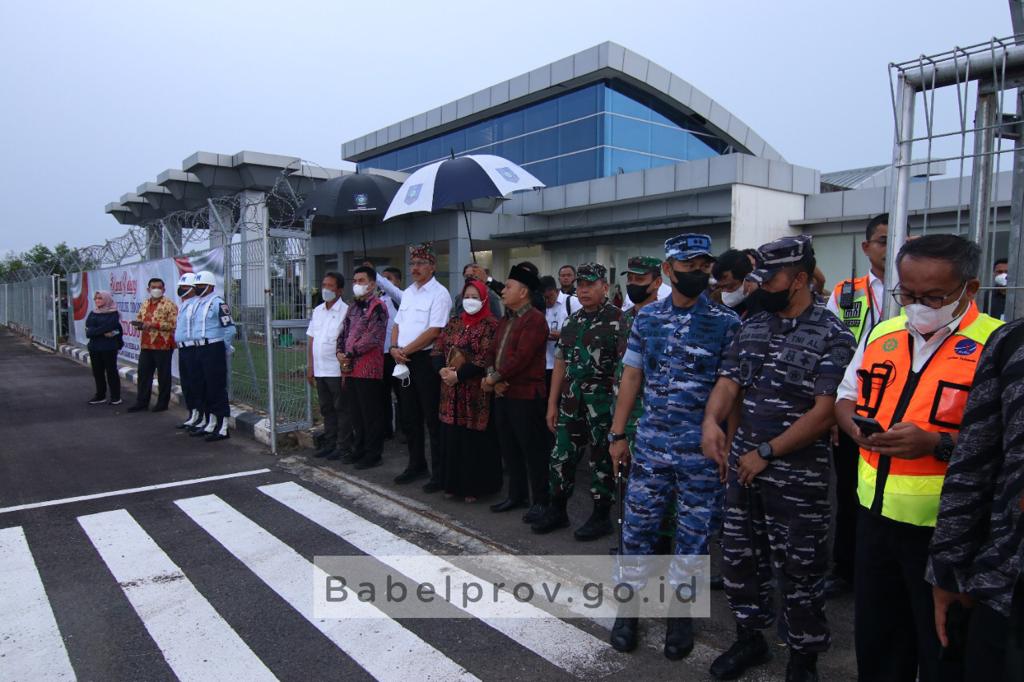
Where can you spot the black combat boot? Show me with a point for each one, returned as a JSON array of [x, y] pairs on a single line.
[[802, 667], [678, 638], [553, 518], [597, 526], [624, 631], [748, 650]]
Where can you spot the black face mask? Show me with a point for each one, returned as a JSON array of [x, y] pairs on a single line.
[[637, 293], [182, 291], [691, 284], [773, 301]]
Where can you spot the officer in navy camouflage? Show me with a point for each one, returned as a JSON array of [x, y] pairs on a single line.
[[784, 366], [580, 403], [673, 356]]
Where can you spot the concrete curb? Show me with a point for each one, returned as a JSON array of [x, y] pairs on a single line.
[[243, 421]]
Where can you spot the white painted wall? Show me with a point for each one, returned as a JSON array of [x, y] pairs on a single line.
[[761, 215]]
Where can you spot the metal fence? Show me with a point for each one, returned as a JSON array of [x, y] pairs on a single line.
[[32, 308]]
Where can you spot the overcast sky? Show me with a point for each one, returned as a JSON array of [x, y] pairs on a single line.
[[98, 97]]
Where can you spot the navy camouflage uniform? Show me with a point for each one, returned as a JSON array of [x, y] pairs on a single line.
[[781, 521], [590, 344], [679, 351]]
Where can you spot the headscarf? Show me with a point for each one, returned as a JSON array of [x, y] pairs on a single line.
[[485, 311], [107, 304]]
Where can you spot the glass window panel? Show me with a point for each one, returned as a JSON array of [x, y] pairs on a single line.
[[578, 167], [697, 148], [619, 103], [628, 162], [669, 142], [479, 134], [541, 145], [510, 125], [431, 150], [661, 161], [577, 104], [630, 134], [578, 135], [545, 171], [409, 156], [511, 150], [455, 140], [541, 115]]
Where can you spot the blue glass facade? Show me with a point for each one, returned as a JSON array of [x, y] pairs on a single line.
[[595, 131]]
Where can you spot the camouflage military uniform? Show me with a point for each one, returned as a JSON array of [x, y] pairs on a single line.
[[639, 265], [781, 521], [590, 345]]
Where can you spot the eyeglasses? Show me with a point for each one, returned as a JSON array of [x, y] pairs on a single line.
[[904, 299]]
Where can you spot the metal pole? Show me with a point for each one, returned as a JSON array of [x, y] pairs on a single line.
[[900, 191], [307, 279], [55, 306], [268, 315], [1015, 297], [981, 179]]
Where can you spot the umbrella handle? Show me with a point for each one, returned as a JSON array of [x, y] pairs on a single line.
[[469, 234]]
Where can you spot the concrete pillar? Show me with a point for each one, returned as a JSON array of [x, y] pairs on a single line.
[[500, 265], [604, 255], [253, 221], [153, 242], [458, 256]]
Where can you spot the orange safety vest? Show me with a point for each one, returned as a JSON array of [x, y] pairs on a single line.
[[933, 399], [861, 305]]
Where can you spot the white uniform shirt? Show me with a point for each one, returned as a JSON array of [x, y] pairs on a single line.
[[324, 327], [392, 297], [574, 302], [556, 318], [422, 308]]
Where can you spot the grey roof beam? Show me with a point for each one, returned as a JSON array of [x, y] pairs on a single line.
[[185, 187], [159, 197], [121, 213], [140, 207], [216, 172]]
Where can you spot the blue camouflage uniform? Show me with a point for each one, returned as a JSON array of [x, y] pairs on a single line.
[[213, 330], [678, 350], [184, 340], [780, 522]]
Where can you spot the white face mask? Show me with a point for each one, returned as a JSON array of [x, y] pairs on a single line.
[[360, 290], [328, 295], [927, 320], [734, 298], [472, 305], [402, 374], [1002, 279], [156, 293]]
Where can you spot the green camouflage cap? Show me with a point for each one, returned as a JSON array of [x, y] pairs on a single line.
[[641, 265], [591, 272]]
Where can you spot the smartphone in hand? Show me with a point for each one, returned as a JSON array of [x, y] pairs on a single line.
[[136, 324], [867, 425]]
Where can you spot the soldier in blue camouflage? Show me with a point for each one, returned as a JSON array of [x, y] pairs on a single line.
[[783, 368], [580, 404], [672, 357]]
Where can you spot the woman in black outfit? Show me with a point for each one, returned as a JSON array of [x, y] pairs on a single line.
[[103, 328]]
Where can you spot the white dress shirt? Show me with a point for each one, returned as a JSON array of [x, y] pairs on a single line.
[[574, 302], [392, 297], [923, 350], [324, 327], [556, 318], [664, 291], [422, 308]]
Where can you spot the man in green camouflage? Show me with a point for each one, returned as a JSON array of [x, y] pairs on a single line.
[[580, 403], [643, 280]]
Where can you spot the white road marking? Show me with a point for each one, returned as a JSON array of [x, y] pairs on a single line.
[[381, 646], [564, 645], [31, 647], [196, 642], [129, 491]]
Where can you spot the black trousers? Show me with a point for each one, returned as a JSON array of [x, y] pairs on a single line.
[[336, 408], [187, 368], [104, 372], [392, 411], [158, 362], [995, 643], [211, 378], [367, 418], [524, 438], [844, 551], [894, 615], [419, 403]]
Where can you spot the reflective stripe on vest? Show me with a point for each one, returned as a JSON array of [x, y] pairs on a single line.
[[856, 314], [933, 399]]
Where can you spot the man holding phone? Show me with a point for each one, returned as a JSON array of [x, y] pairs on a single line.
[[912, 377], [157, 319]]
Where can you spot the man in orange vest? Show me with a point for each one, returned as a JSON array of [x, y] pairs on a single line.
[[902, 401], [858, 303]]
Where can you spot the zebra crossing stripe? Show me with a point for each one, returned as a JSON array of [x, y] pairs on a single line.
[[31, 647], [195, 641], [382, 647], [562, 644]]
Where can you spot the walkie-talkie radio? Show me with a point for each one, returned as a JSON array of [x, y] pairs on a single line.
[[846, 294]]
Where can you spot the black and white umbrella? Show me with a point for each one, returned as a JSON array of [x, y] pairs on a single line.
[[458, 181]]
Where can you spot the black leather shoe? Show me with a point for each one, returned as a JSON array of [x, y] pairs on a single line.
[[678, 638], [324, 451], [159, 408], [597, 526], [624, 637], [748, 650], [716, 582], [802, 667], [369, 463], [333, 456], [199, 432], [432, 487], [533, 514], [216, 436], [553, 518], [350, 458], [836, 587], [508, 505], [410, 475], [137, 408]]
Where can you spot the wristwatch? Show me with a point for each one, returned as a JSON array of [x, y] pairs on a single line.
[[944, 449], [613, 437], [766, 452]]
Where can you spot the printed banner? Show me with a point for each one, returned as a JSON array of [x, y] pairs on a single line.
[[127, 284]]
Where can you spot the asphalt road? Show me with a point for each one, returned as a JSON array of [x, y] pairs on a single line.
[[132, 552]]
